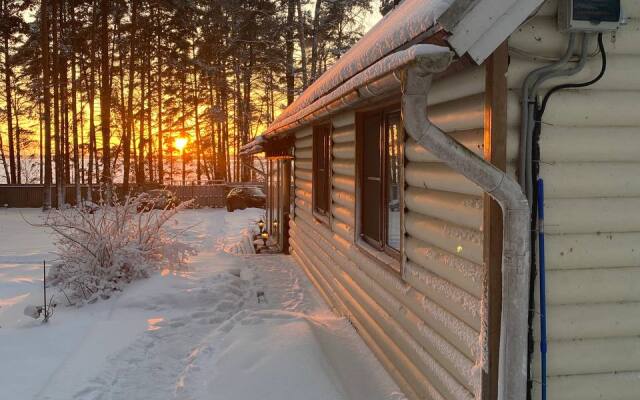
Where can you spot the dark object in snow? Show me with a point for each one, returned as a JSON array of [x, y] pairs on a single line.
[[242, 197], [36, 312], [158, 199], [260, 295], [33, 311]]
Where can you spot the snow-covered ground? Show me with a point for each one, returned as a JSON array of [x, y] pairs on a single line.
[[199, 334]]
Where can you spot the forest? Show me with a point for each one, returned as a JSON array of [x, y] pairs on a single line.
[[143, 92]]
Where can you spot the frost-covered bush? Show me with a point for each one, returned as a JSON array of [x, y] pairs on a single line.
[[102, 250]]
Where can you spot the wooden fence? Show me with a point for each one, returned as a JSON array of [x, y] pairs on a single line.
[[30, 196]]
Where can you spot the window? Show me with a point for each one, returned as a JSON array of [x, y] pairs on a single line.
[[321, 159], [381, 179]]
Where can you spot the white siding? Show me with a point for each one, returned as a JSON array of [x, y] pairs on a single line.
[[424, 327], [590, 165]]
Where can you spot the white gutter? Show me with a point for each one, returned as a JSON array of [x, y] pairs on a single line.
[[376, 80], [512, 379]]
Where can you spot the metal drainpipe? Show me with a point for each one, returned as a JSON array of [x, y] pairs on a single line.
[[531, 124], [516, 239], [527, 107]]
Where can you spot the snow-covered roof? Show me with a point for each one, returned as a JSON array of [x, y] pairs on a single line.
[[475, 27], [408, 20], [378, 79]]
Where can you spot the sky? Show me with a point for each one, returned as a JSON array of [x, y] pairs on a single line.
[[374, 16]]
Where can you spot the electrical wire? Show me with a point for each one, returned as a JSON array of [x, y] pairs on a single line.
[[539, 110], [603, 54], [528, 102], [537, 57], [531, 127]]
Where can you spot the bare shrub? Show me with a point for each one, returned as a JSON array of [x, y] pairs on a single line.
[[101, 251]]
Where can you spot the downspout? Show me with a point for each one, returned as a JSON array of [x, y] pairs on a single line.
[[516, 215]]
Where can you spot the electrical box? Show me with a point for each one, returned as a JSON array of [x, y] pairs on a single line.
[[589, 15]]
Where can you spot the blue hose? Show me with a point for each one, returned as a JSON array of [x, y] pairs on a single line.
[[543, 305]]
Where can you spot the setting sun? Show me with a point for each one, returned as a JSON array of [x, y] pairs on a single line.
[[181, 142]]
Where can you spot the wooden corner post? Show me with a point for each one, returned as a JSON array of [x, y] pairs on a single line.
[[495, 151]]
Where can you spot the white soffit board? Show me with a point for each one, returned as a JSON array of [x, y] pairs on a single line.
[[488, 24]]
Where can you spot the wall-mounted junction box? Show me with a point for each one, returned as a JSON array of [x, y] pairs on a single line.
[[589, 15]]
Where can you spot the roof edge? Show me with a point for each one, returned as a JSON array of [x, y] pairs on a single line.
[[379, 78]]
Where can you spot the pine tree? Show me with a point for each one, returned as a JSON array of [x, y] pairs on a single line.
[[215, 71]]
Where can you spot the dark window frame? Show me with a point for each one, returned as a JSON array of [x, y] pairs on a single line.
[[385, 193], [373, 246], [321, 171]]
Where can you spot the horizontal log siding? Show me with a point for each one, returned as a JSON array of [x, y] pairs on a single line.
[[302, 171], [590, 143], [444, 215], [424, 328]]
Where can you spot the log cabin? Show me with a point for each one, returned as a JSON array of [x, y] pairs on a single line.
[[464, 186]]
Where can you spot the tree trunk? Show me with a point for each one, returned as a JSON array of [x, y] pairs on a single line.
[[214, 129], [133, 148], [140, 178], [239, 114], [90, 87], [246, 125], [56, 107], [4, 162], [122, 107], [149, 135], [289, 68], [40, 142], [303, 46], [272, 105], [46, 96], [74, 114], [18, 142], [315, 41], [126, 145], [197, 123], [160, 133], [183, 132], [8, 101], [64, 97], [82, 142], [225, 135], [105, 99], [92, 125]]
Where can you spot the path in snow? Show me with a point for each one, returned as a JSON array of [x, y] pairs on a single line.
[[201, 334]]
